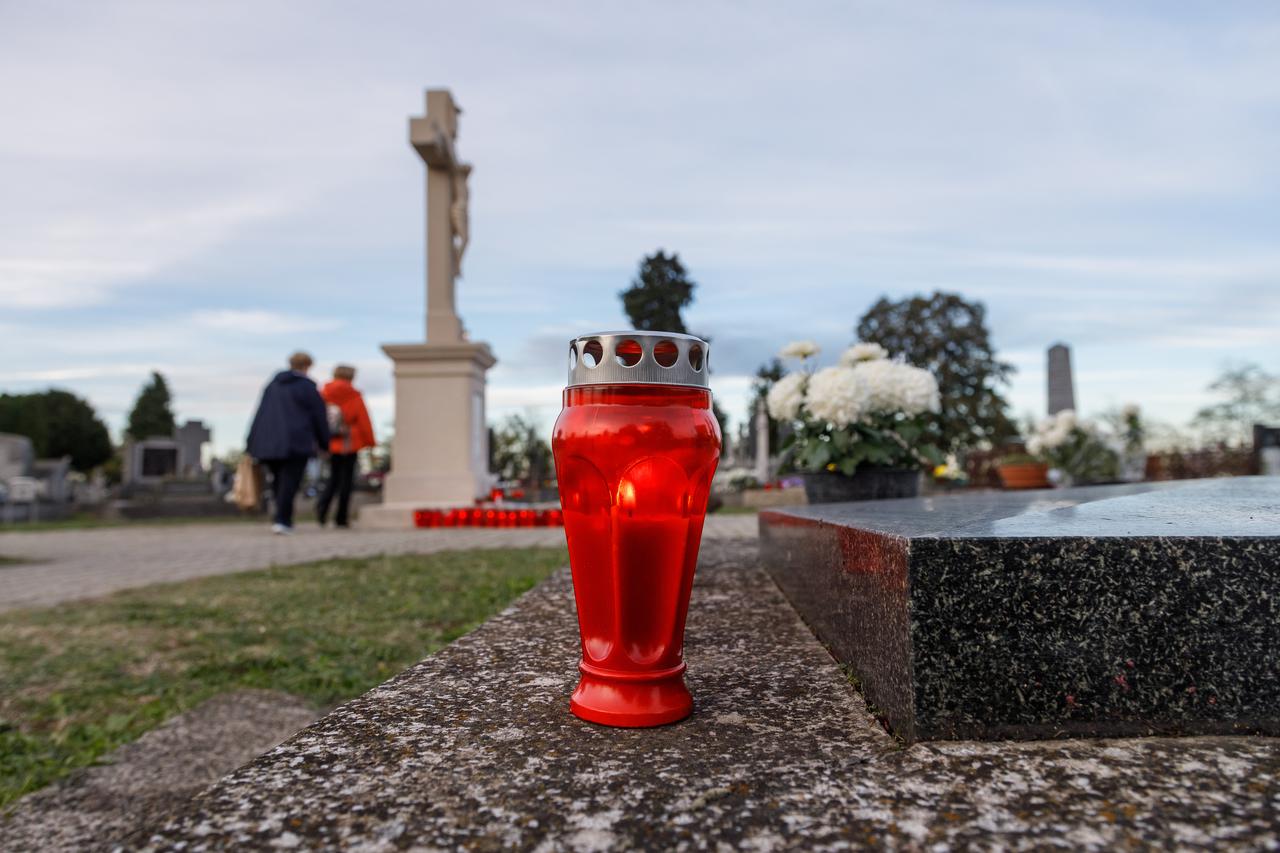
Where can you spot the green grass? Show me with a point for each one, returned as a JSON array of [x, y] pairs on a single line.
[[84, 521], [79, 680]]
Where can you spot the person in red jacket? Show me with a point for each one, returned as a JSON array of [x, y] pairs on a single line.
[[351, 431]]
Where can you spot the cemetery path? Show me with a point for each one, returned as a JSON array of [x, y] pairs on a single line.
[[67, 565]]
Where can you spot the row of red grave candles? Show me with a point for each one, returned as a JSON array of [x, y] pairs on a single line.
[[480, 517]]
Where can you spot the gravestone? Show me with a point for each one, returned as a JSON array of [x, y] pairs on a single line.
[[54, 477], [1061, 386], [17, 455], [1266, 444], [439, 453], [150, 461], [1099, 611], [190, 439]]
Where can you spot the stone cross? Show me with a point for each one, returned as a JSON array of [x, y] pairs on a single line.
[[435, 136]]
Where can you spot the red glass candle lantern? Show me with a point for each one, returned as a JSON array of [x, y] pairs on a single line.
[[635, 448]]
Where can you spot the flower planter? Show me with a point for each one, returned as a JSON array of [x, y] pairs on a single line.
[[1024, 475], [867, 484]]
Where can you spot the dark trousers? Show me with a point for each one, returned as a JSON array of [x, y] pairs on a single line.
[[286, 477], [342, 474]]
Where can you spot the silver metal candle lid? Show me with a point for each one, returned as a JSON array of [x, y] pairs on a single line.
[[650, 358]]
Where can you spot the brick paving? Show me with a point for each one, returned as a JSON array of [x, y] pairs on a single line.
[[74, 564]]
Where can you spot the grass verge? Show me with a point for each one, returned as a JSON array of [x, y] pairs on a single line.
[[85, 521], [79, 680]]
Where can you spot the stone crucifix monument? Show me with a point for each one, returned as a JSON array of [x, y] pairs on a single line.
[[440, 453]]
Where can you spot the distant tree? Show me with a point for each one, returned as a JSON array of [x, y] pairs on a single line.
[[1249, 395], [152, 414], [660, 290], [948, 336], [518, 452], [59, 424]]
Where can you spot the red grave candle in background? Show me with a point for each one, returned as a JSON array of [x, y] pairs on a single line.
[[635, 448]]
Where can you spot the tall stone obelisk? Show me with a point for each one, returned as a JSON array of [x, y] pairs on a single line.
[[440, 452], [1061, 387]]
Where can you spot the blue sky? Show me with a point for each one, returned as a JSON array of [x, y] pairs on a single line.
[[202, 188]]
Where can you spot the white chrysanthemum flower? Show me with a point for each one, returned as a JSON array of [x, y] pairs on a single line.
[[785, 397], [836, 395], [896, 387], [1035, 445], [1055, 437], [863, 352], [917, 390], [1066, 419], [1130, 411], [800, 349], [879, 379]]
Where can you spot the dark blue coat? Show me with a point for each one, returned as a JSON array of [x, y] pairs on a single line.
[[291, 419]]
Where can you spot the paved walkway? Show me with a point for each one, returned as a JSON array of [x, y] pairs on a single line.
[[74, 564]]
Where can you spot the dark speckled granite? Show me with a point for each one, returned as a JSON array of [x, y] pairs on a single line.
[[1095, 611]]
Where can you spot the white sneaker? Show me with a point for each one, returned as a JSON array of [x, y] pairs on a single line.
[[281, 530]]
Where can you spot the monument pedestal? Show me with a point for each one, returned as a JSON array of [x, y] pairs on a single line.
[[440, 452]]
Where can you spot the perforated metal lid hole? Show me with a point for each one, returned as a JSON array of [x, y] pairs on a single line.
[[666, 353], [628, 352]]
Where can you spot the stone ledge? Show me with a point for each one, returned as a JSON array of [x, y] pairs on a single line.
[[1096, 611], [474, 747]]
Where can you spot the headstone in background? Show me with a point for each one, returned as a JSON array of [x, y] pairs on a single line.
[[16, 456], [150, 461], [1266, 445], [24, 490], [1062, 389], [53, 474], [191, 438]]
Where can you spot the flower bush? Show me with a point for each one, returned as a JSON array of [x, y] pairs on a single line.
[[1075, 448], [864, 410]]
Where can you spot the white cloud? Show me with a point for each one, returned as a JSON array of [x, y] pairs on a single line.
[[252, 322]]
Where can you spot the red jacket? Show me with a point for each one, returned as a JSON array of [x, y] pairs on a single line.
[[342, 394]]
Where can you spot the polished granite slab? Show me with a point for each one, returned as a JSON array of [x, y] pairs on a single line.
[[1107, 610]]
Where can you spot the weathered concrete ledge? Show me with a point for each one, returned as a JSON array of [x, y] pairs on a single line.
[[475, 748], [1095, 611]]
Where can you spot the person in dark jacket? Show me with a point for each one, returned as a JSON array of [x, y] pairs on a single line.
[[288, 429]]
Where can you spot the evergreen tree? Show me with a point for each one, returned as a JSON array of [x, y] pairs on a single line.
[[946, 335], [59, 424], [659, 291], [152, 415]]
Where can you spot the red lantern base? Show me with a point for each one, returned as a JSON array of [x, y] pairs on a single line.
[[631, 699]]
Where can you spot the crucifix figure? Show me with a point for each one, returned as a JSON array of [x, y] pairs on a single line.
[[435, 136]]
